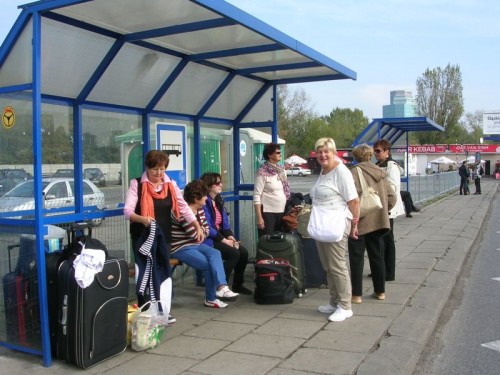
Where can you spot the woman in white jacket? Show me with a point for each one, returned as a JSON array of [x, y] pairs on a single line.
[[382, 149]]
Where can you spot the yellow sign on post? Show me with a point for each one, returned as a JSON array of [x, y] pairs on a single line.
[[8, 117]]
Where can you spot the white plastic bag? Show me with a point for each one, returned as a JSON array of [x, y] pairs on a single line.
[[146, 331]]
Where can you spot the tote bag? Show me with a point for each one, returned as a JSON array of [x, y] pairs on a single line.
[[327, 225], [369, 200]]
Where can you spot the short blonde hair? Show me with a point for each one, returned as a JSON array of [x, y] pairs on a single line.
[[329, 143], [362, 152]]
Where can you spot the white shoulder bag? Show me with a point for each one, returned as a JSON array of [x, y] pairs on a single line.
[[327, 225]]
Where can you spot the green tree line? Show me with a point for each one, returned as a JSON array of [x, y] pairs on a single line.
[[439, 97]]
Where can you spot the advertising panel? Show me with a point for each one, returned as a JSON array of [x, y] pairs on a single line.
[[491, 123]]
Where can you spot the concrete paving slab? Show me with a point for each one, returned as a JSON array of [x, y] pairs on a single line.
[[415, 323], [321, 361], [232, 363], [344, 341], [151, 363], [362, 324], [395, 356], [190, 347], [266, 345], [291, 328], [248, 315], [221, 330]]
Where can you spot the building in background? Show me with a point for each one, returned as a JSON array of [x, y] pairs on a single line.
[[402, 105]]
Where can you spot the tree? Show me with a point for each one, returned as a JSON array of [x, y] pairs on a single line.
[[473, 125], [439, 97], [345, 125], [295, 113]]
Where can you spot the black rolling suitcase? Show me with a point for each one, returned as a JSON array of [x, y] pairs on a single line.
[[315, 274], [286, 246], [93, 320]]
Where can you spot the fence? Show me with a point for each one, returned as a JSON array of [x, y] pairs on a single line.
[[425, 187]]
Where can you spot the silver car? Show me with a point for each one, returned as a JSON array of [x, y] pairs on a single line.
[[57, 192]]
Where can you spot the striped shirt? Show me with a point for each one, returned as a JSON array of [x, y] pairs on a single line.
[[184, 234]]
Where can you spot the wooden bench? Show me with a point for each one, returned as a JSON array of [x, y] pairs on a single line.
[[173, 263]]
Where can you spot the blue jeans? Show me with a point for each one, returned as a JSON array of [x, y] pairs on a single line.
[[206, 259]]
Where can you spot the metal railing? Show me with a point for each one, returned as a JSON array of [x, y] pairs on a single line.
[[425, 187]]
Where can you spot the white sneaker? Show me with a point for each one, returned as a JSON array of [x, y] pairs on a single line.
[[340, 315], [327, 309], [226, 294], [216, 304]]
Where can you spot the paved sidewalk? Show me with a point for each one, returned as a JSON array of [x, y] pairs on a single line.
[[383, 337]]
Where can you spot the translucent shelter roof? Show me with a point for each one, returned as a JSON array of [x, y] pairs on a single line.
[[393, 129], [197, 58]]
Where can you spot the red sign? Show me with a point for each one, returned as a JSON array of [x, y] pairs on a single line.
[[460, 149]]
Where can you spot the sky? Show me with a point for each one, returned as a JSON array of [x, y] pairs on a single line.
[[388, 43]]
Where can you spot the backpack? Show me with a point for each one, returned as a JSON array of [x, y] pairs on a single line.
[[273, 282]]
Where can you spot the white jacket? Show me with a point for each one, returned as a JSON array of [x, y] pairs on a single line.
[[394, 176]]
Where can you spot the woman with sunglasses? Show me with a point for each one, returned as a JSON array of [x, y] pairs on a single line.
[[271, 191], [220, 235], [382, 149]]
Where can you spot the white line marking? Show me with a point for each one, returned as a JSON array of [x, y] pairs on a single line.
[[496, 278], [495, 345]]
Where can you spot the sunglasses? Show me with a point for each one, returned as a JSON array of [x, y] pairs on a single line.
[[378, 151], [277, 152], [218, 183]]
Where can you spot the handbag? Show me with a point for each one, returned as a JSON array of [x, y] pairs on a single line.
[[327, 225], [369, 200]]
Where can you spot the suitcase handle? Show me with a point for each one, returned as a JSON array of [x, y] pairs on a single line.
[[275, 237]]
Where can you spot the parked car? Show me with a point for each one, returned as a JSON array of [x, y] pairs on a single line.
[[298, 171], [9, 178], [95, 175], [58, 193], [64, 173]]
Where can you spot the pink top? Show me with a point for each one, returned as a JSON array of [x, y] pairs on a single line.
[[131, 200], [218, 216]]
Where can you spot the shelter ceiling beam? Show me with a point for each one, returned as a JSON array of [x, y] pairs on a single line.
[[179, 29], [236, 51], [273, 68]]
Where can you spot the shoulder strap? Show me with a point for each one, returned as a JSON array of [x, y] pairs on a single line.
[[362, 182]]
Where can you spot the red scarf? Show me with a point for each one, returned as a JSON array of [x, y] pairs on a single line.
[[149, 193]]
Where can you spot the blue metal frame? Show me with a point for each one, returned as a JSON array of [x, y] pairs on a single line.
[[230, 16]]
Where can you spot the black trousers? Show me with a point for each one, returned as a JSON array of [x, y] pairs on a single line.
[[477, 182], [407, 201], [375, 249], [273, 222], [390, 254], [464, 186], [234, 259]]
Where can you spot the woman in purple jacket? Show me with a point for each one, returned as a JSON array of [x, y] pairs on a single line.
[[221, 237]]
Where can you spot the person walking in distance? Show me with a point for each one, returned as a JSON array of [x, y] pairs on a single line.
[[463, 172]]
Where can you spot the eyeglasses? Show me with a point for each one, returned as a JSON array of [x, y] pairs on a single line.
[[277, 152], [378, 151]]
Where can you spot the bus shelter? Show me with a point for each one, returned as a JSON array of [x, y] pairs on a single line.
[[396, 130], [80, 80]]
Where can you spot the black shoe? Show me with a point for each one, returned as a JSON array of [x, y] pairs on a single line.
[[408, 215], [416, 209], [241, 289]]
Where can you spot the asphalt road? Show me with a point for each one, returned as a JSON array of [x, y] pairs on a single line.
[[467, 337]]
